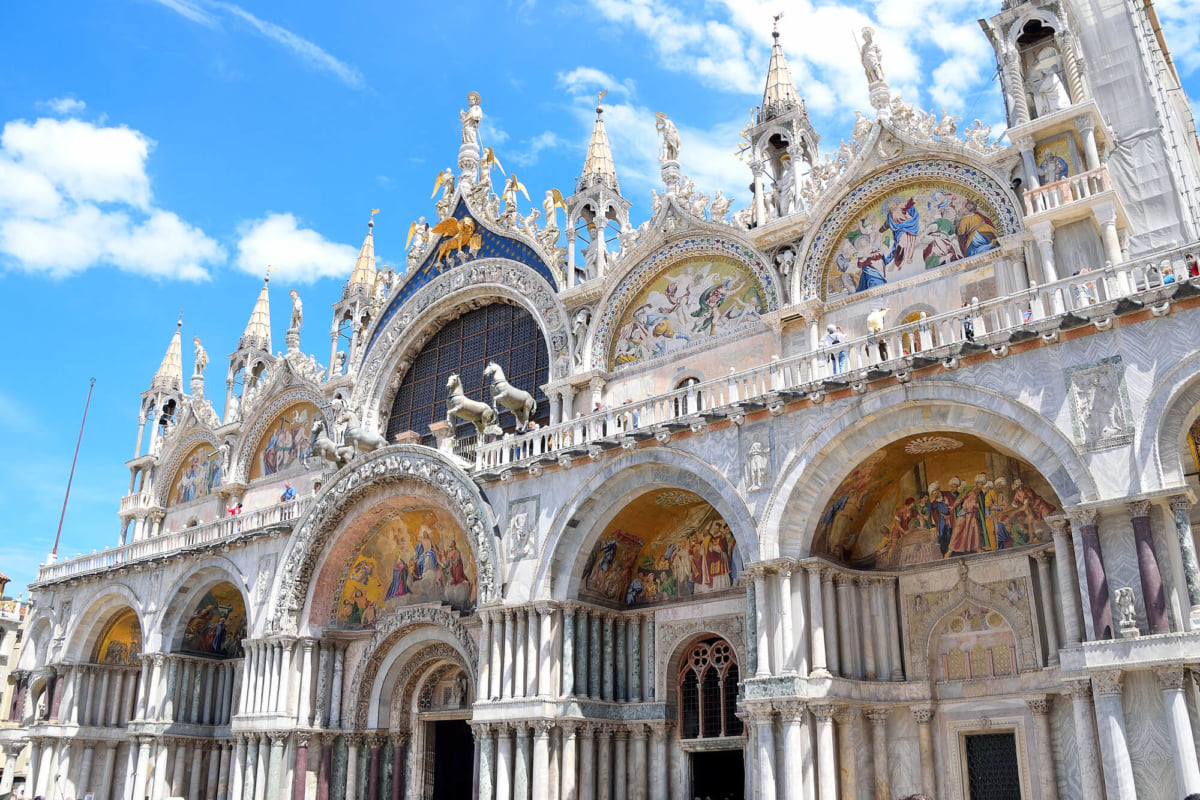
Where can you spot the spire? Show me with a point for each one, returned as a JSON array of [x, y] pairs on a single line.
[[258, 329], [598, 167], [364, 267], [780, 95], [170, 371]]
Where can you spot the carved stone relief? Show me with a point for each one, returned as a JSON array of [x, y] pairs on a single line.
[[521, 534], [1100, 412]]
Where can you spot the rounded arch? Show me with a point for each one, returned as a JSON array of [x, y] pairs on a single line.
[[263, 414], [166, 633], [581, 520], [179, 452], [373, 477], [1043, 15], [35, 651], [837, 211], [87, 629], [394, 653], [1171, 409], [400, 336], [816, 467], [627, 286]]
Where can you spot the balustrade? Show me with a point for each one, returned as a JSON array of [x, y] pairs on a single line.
[[1069, 190]]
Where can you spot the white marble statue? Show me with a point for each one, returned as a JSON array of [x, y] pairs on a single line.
[[471, 119], [201, 355], [1127, 609], [579, 328], [758, 461], [720, 207], [554, 201], [872, 57], [297, 311], [1049, 92], [511, 187], [668, 138]]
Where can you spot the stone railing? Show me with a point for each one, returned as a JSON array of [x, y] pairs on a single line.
[[198, 536], [1068, 190], [990, 324], [136, 502]]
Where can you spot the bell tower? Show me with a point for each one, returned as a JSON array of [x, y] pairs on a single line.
[[596, 209]]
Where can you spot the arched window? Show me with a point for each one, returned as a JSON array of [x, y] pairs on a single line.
[[708, 685], [690, 403]]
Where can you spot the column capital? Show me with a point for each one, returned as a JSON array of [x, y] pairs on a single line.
[[89, 744], [1024, 143], [1108, 682], [355, 739], [541, 727], [791, 710], [621, 734], [877, 714], [922, 714], [759, 713], [278, 737], [544, 607], [1058, 526], [1078, 689], [1084, 516], [1171, 678], [1085, 123], [1179, 502], [638, 732], [823, 711], [521, 728], [1038, 706], [845, 714], [1139, 508], [604, 731], [843, 579], [400, 738], [568, 610], [587, 730], [377, 740], [569, 727], [661, 727], [303, 738]]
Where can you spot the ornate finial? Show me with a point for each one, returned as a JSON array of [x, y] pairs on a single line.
[[599, 100], [371, 221], [179, 324], [267, 277], [775, 27]]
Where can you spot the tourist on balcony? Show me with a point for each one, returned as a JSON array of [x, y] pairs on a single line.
[[834, 335], [1168, 275], [968, 324], [288, 493], [1193, 267]]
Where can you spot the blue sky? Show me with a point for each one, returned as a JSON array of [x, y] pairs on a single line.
[[156, 155]]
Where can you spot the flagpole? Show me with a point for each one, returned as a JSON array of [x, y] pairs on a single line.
[[63, 515]]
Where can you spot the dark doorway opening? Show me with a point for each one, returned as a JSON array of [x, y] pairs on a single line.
[[453, 747], [718, 774], [992, 769]]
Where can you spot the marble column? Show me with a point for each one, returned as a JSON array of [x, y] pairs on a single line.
[[595, 667], [1187, 550], [867, 621], [520, 651], [1042, 559], [764, 761], [506, 683], [826, 756], [178, 770], [166, 706], [485, 643], [829, 613], [108, 771], [851, 667], [568, 650], [400, 743], [85, 769], [375, 742], [792, 712], [244, 699], [1097, 579], [606, 658], [532, 652], [639, 771], [1148, 571], [1110, 721], [262, 777], [521, 763], [545, 683], [504, 762], [214, 767], [496, 661], [541, 758], [325, 769], [1064, 566], [304, 714], [237, 781], [1040, 708], [816, 620], [249, 773], [300, 771], [787, 659], [1086, 747], [887, 593], [661, 772], [335, 697], [621, 764], [587, 761], [878, 718], [196, 773], [223, 771], [648, 644], [604, 762], [103, 707], [763, 646], [141, 771], [582, 671], [621, 677], [635, 660], [1172, 681], [924, 716], [570, 766]]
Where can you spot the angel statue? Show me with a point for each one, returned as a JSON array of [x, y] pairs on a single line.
[[445, 182], [201, 355], [668, 138], [486, 164], [297, 310], [511, 187], [720, 206], [872, 57], [554, 201], [418, 236], [471, 119]]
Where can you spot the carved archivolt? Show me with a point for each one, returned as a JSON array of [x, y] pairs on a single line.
[[179, 452], [391, 465], [395, 628], [400, 334], [265, 415]]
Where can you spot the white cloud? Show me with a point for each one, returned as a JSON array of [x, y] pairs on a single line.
[[64, 106], [546, 140], [490, 132], [584, 79], [75, 195], [201, 12], [297, 254]]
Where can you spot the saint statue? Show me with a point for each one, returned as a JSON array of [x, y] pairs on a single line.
[[1049, 92], [668, 138], [201, 355], [471, 119], [297, 310], [872, 57]]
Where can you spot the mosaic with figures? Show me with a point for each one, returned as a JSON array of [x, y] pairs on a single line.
[[287, 442], [665, 545], [217, 624], [930, 497], [920, 227], [199, 475], [418, 555], [122, 641], [694, 300]]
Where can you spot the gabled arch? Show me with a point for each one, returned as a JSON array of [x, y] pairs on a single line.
[[168, 629], [582, 518], [179, 452], [263, 414], [816, 467], [87, 627]]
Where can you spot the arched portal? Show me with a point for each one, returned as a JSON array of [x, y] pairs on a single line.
[[703, 699]]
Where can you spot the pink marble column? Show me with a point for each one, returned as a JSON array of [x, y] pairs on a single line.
[[1097, 579], [1151, 576], [301, 771], [399, 740]]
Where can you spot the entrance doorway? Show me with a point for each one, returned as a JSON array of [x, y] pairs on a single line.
[[718, 774], [453, 756], [993, 772]]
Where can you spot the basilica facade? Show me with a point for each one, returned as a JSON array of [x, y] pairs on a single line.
[[880, 484]]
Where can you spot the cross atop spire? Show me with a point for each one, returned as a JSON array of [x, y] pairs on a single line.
[[598, 167], [170, 371], [780, 95], [364, 267], [258, 329]]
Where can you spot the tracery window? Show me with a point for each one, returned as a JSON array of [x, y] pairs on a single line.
[[708, 685], [502, 333]]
